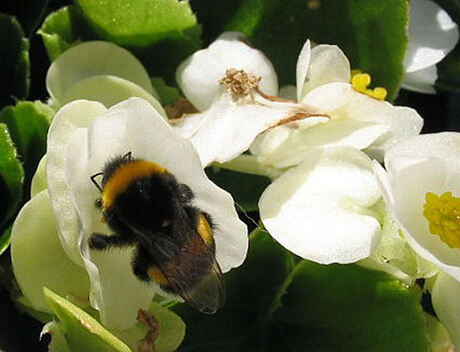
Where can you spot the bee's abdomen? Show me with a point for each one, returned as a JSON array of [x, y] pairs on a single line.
[[186, 269]]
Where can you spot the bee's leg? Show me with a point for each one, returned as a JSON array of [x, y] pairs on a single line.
[[141, 263], [101, 242]]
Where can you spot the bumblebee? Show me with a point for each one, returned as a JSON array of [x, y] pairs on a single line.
[[146, 207]]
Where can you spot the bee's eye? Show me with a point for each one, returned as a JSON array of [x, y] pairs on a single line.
[[165, 223]]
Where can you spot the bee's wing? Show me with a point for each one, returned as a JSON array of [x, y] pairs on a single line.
[[207, 293]]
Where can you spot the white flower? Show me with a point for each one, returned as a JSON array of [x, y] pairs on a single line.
[[358, 118], [432, 35], [99, 71], [198, 76], [325, 208], [422, 187], [83, 136], [236, 84]]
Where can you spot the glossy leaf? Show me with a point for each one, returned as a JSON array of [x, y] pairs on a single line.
[[168, 95], [5, 240], [28, 126], [372, 33], [277, 303], [14, 51], [83, 333], [11, 177], [160, 33]]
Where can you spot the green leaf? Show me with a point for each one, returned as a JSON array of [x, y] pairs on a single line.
[[168, 95], [277, 303], [64, 28], [11, 177], [372, 33], [139, 23], [82, 332], [5, 240], [28, 125], [246, 189], [14, 52], [161, 33]]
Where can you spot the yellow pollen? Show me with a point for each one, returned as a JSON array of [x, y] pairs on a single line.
[[443, 215], [360, 82]]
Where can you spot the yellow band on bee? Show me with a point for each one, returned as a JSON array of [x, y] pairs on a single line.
[[204, 230], [123, 176], [157, 275]]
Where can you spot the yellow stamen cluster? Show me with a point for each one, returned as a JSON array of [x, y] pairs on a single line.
[[443, 215], [360, 82]]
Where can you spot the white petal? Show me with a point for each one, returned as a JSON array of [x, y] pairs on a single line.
[[432, 35], [355, 134], [108, 90], [92, 59], [446, 303], [134, 126], [38, 257], [279, 145], [444, 146], [228, 128], [341, 102], [327, 64], [317, 209], [152, 139], [421, 81], [39, 179], [72, 117], [303, 64], [199, 75], [426, 163]]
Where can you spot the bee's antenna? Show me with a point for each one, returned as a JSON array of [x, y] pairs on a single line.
[[249, 218], [127, 156], [93, 180]]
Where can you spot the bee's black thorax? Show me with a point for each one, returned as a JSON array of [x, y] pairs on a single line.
[[144, 205]]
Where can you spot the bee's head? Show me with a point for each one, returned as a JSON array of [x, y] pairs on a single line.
[[157, 202]]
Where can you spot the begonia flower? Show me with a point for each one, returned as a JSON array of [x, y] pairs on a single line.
[[422, 185], [83, 136], [432, 35]]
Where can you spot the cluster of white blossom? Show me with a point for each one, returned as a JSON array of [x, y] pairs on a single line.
[[322, 143]]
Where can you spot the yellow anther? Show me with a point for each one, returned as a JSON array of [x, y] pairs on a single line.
[[443, 215], [360, 82]]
